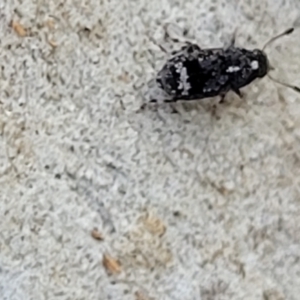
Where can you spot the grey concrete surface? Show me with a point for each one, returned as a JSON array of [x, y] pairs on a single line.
[[192, 205]]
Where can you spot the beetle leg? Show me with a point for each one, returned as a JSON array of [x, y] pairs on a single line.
[[238, 92], [174, 110], [222, 98], [170, 100], [233, 38], [189, 47], [232, 42], [157, 44]]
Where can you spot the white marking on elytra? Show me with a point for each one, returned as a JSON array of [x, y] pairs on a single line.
[[178, 67], [254, 65], [232, 69], [184, 84]]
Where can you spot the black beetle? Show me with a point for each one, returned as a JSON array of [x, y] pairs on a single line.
[[193, 73]]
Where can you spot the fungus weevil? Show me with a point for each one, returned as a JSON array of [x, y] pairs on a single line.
[[193, 73]]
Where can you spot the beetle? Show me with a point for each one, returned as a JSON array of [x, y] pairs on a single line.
[[193, 73]]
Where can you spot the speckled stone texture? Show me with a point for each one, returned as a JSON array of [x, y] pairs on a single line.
[[199, 204]]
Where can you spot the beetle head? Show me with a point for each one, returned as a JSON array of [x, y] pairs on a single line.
[[261, 63]]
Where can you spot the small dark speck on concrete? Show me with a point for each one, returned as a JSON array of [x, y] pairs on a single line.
[[57, 176]]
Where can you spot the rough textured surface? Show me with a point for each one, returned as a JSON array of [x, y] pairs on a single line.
[[190, 206]]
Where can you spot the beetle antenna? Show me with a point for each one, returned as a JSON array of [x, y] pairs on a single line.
[[294, 87], [287, 32]]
